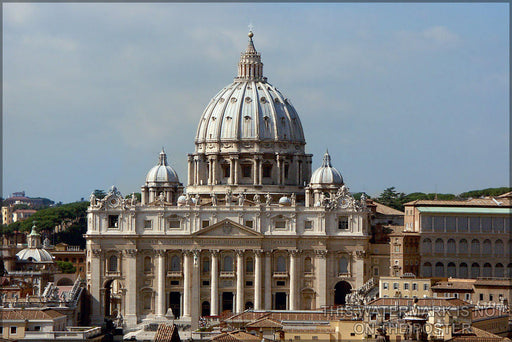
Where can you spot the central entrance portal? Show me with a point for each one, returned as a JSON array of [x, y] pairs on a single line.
[[174, 303], [227, 301]]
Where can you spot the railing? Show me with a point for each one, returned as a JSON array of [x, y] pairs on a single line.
[[344, 275], [78, 333], [174, 274], [280, 274], [227, 274]]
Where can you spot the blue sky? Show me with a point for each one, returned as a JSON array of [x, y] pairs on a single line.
[[414, 96]]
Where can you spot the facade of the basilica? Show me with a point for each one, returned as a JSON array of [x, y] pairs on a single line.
[[255, 228]]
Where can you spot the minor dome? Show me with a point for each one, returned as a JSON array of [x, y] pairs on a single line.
[[162, 172], [250, 109], [326, 174], [285, 200], [34, 255], [182, 200]]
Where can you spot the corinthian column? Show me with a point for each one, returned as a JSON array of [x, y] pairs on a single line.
[[257, 280], [131, 287], [268, 282], [239, 281], [293, 281], [160, 288], [321, 274], [187, 261], [214, 300]]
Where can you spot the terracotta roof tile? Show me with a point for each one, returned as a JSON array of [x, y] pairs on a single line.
[[167, 333], [476, 202], [235, 336]]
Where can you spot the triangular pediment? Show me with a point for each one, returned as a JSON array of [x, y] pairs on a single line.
[[227, 228]]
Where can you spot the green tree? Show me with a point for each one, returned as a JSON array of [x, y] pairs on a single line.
[[66, 266], [99, 193], [137, 195], [392, 198]]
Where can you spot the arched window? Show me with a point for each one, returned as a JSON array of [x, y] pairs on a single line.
[[450, 246], [175, 263], [439, 271], [498, 247], [499, 270], [343, 265], [439, 246], [308, 267], [463, 246], [227, 265], [112, 264], [427, 246], [463, 270], [147, 264], [451, 270], [475, 270], [487, 247], [475, 246], [427, 269], [249, 266], [487, 270], [281, 264]]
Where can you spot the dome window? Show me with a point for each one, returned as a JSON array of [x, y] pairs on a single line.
[[276, 100], [263, 100], [249, 87], [260, 88], [228, 117], [248, 99], [233, 99], [221, 100], [247, 117]]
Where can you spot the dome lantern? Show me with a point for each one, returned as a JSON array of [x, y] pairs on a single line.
[[250, 66]]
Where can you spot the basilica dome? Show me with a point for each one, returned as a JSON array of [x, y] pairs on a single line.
[[162, 172], [326, 174], [250, 109]]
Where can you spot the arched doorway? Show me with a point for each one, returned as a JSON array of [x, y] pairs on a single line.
[[227, 301], [174, 303], [341, 290], [205, 309], [113, 293]]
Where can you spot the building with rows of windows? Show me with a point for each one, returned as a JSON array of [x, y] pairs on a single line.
[[464, 239], [254, 228]]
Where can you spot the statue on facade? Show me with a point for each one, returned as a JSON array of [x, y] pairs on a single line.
[[241, 199], [198, 199], [256, 199], [161, 197], [294, 199], [229, 196], [93, 199], [187, 197], [133, 199], [214, 199], [268, 199]]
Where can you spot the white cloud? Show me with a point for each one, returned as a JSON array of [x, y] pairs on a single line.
[[434, 37]]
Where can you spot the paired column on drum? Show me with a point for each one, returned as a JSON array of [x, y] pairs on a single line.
[[214, 300], [239, 281], [160, 294]]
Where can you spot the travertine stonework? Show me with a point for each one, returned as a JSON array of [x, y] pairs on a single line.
[[254, 228]]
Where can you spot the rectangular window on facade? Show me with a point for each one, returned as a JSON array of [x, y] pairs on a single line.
[[462, 224], [248, 283], [206, 282], [206, 265], [376, 271], [249, 223], [426, 223], [395, 286], [481, 296], [491, 297], [246, 171], [438, 224], [14, 330], [174, 224], [308, 225], [37, 328], [175, 282], [113, 221], [414, 286], [474, 224], [486, 224], [385, 286], [467, 297], [280, 224], [267, 171], [397, 249], [225, 170], [148, 224], [280, 283], [343, 223], [497, 224], [451, 224], [205, 223], [406, 286], [425, 287]]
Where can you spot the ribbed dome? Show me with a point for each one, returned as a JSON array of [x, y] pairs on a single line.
[[34, 254], [250, 109], [326, 174], [162, 172]]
